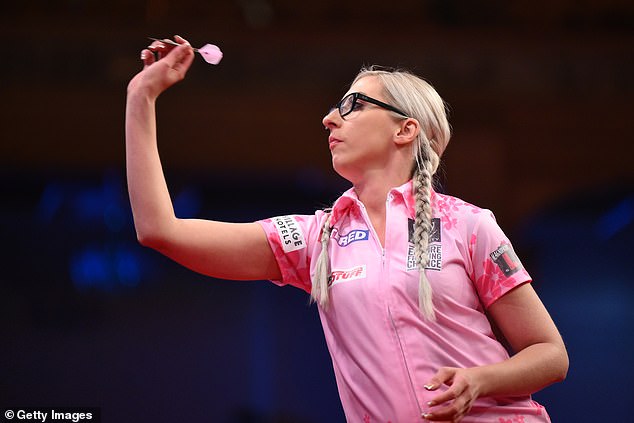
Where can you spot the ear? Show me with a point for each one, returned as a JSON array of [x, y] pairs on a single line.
[[407, 131]]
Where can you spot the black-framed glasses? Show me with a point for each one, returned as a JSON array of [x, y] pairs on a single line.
[[349, 103]]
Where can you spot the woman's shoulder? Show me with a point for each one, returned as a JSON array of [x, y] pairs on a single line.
[[448, 204], [458, 214]]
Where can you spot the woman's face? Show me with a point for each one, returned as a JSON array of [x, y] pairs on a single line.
[[361, 142]]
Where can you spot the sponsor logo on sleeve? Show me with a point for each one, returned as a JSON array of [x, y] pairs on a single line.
[[506, 259], [434, 250], [290, 233], [344, 275]]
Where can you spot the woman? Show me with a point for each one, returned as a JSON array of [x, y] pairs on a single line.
[[406, 344]]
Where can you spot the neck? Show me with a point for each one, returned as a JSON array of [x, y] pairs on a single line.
[[372, 192], [373, 181]]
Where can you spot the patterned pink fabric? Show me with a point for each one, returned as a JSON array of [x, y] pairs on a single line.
[[383, 351]]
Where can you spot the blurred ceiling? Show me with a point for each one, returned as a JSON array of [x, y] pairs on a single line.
[[540, 92]]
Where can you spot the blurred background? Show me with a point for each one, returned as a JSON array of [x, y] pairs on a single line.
[[541, 107]]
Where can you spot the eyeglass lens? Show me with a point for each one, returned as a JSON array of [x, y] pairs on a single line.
[[346, 104]]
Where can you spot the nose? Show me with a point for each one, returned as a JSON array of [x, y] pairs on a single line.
[[332, 119]]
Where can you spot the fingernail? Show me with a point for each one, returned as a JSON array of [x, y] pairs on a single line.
[[426, 415], [185, 41], [431, 403], [429, 387]]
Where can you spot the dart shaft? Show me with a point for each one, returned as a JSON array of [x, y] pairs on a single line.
[[174, 43]]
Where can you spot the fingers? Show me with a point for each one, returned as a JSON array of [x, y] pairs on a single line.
[[160, 49], [447, 377], [180, 40], [181, 59], [456, 400], [443, 376], [165, 62], [452, 412], [147, 57]]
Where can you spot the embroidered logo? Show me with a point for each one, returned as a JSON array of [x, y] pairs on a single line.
[[505, 258], [345, 275], [290, 233], [352, 236], [434, 249]]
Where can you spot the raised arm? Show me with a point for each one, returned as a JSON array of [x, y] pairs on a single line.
[[219, 249]]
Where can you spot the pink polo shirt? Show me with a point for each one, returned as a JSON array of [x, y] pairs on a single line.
[[383, 351]]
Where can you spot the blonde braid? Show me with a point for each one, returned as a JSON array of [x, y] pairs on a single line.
[[422, 182], [420, 101], [319, 291]]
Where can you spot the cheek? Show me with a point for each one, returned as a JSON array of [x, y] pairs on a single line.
[[375, 141]]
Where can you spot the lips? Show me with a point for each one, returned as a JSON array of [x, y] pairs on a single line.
[[332, 141]]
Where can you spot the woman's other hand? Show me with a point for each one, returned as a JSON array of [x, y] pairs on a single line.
[[454, 403]]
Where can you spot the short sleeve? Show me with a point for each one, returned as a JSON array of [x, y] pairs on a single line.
[[496, 267], [292, 239]]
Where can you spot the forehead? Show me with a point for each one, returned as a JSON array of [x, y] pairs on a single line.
[[369, 85]]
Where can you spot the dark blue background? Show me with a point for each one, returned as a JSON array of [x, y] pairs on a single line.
[[91, 318]]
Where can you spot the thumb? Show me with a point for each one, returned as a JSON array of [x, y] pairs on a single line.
[[181, 58]]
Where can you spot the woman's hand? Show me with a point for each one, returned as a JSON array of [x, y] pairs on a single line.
[[540, 359], [454, 403], [163, 66]]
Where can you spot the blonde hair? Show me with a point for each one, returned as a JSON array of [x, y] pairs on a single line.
[[419, 100]]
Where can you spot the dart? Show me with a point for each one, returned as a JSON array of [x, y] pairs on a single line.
[[209, 52]]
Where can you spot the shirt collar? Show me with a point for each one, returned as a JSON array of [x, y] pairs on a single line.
[[350, 200]]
